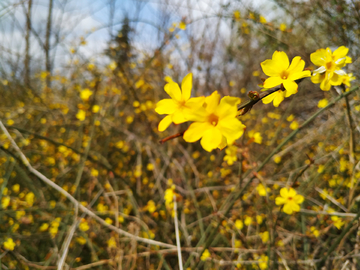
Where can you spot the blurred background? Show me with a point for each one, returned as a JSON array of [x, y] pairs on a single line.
[[79, 81]]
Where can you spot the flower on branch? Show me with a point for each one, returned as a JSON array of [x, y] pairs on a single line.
[[329, 73], [180, 105], [215, 123], [290, 199], [281, 72]]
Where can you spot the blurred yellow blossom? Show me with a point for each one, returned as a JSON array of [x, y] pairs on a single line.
[[282, 72], [85, 94], [290, 199], [206, 254], [9, 244]]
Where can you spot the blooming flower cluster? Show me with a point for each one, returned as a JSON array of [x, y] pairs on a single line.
[[214, 119], [330, 73]]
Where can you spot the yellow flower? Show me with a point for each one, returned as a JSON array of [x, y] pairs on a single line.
[[239, 224], [81, 115], [262, 190], [9, 244], [231, 155], [347, 78], [81, 240], [84, 226], [44, 227], [329, 73], [282, 72], [206, 254], [111, 243], [236, 15], [322, 103], [29, 198], [182, 26], [338, 222], [180, 104], [290, 199], [85, 94], [216, 123], [265, 236], [282, 27], [248, 221], [151, 206], [262, 19], [263, 262]]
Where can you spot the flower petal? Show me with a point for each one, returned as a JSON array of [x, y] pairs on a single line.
[[272, 82], [268, 99], [279, 97], [291, 88], [291, 193], [196, 131], [178, 117], [165, 106], [281, 59], [287, 209], [173, 90], [297, 65], [299, 75], [231, 128], [165, 123], [284, 192], [212, 102], [212, 139], [319, 57], [186, 86], [340, 52], [280, 200], [298, 199]]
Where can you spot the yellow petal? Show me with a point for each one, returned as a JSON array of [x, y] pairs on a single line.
[[291, 193], [269, 98], [319, 57], [212, 102], [340, 52], [281, 59], [231, 128], [279, 97], [186, 86], [280, 200], [165, 123], [178, 117], [211, 139], [299, 75], [173, 90], [291, 88], [165, 106], [272, 82], [297, 65], [298, 199], [196, 131], [270, 68], [288, 209], [317, 78], [284, 192]]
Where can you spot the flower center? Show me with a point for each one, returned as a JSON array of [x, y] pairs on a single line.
[[213, 119], [284, 75], [330, 65], [290, 198]]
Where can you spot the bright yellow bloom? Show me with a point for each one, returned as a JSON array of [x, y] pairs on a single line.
[[329, 73], [206, 254], [231, 155], [85, 94], [290, 199], [338, 222], [216, 123], [111, 242], [282, 72], [263, 262], [81, 115], [84, 226], [265, 236], [9, 244], [347, 78], [180, 105], [262, 190], [239, 224]]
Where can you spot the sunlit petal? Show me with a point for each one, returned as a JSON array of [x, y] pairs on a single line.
[[165, 106], [291, 88], [186, 86], [196, 131], [211, 139], [173, 90], [272, 82], [165, 123]]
